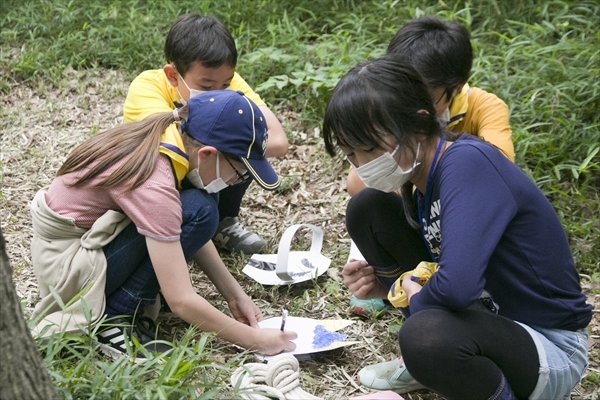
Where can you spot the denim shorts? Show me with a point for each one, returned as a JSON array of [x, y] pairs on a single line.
[[563, 359]]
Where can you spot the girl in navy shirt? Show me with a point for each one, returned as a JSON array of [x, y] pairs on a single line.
[[491, 230]]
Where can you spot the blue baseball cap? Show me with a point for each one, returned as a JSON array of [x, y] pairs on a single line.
[[230, 122]]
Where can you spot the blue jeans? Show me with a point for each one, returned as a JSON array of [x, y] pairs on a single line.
[[563, 360], [131, 282]]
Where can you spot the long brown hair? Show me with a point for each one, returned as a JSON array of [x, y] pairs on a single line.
[[135, 142]]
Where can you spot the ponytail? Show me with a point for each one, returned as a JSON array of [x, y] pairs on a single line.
[[136, 142]]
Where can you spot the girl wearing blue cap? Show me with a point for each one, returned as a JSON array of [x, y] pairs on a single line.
[[115, 227], [483, 221]]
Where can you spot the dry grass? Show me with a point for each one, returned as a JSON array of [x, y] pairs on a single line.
[[38, 127]]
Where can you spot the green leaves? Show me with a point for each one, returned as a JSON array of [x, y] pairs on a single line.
[[79, 371]]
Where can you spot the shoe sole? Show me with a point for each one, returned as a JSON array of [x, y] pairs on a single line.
[[356, 310], [409, 388], [362, 312], [115, 354], [247, 251]]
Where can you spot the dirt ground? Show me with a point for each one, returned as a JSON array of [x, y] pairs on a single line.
[[39, 125]]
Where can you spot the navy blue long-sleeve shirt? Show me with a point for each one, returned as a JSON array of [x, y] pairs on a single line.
[[490, 227]]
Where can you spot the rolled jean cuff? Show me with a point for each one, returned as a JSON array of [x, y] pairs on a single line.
[[563, 357]]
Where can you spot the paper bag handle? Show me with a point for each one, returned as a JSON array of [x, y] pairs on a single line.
[[284, 248]]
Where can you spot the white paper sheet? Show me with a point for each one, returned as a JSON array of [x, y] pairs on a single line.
[[313, 335], [354, 252]]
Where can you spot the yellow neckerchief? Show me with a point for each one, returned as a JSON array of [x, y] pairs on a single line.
[[171, 145], [458, 108]]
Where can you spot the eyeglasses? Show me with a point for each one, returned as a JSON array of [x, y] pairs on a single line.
[[241, 178], [444, 93], [448, 93]]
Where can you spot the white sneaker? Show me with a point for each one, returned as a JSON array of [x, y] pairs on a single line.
[[234, 237], [391, 375]]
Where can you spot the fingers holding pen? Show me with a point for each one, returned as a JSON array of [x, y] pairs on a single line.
[[273, 341]]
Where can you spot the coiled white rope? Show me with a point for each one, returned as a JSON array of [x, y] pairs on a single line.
[[279, 378]]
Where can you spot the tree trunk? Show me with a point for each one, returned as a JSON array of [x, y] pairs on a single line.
[[22, 371]]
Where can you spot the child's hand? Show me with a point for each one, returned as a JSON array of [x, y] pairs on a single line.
[[245, 311], [360, 279], [273, 341], [410, 285]]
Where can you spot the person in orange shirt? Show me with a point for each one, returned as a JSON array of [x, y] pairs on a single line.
[[442, 54]]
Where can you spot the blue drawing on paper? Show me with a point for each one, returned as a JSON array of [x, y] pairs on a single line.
[[324, 338]]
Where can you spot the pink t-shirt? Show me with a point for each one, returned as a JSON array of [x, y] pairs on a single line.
[[154, 207]]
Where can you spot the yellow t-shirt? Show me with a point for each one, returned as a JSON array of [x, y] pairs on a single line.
[[482, 114], [151, 93]]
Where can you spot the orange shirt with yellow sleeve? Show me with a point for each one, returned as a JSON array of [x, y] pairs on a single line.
[[151, 93], [482, 114]]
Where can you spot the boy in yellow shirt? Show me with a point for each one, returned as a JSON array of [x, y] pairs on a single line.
[[201, 56]]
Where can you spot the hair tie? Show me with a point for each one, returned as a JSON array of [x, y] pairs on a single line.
[[176, 115]]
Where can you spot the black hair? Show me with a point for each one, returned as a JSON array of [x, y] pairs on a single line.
[[441, 51], [377, 98], [203, 39]]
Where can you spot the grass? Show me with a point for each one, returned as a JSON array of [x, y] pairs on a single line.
[[542, 59], [79, 371]]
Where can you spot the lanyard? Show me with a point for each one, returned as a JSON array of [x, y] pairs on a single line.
[[428, 194]]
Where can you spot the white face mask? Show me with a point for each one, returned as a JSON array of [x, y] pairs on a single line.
[[215, 186], [384, 173], [193, 92]]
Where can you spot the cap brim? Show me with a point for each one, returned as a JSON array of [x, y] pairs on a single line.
[[262, 172]]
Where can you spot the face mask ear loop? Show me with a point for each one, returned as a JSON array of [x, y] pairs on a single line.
[[184, 82], [417, 155], [218, 166], [181, 97], [176, 88]]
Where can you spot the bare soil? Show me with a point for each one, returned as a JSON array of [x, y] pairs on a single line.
[[38, 127]]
